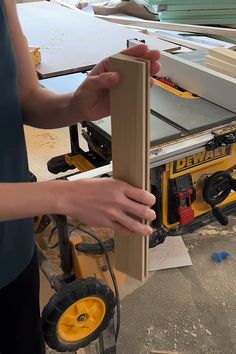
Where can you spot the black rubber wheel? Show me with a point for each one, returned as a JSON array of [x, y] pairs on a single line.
[[80, 307]]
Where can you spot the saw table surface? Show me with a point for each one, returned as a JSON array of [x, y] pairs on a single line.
[[160, 131], [190, 115], [171, 116]]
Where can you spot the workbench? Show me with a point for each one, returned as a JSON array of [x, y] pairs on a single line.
[[71, 40]]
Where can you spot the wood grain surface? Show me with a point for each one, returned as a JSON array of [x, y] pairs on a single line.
[[130, 151]]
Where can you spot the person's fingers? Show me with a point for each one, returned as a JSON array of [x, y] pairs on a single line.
[[137, 51], [155, 68], [139, 210], [140, 50], [133, 225], [152, 55], [102, 81], [101, 67], [139, 195], [143, 52]]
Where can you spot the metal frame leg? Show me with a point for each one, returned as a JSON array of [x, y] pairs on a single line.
[[107, 340]]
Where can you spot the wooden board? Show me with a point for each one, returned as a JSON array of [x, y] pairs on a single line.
[[71, 40], [221, 70], [221, 66], [130, 151], [215, 31], [204, 82], [193, 41], [224, 54]]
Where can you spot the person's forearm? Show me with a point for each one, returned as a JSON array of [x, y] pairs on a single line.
[[83, 200], [23, 200], [48, 110]]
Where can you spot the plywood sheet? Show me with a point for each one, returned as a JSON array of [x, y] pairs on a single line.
[[71, 40], [130, 151]]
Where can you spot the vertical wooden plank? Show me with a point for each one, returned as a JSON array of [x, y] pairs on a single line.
[[130, 150]]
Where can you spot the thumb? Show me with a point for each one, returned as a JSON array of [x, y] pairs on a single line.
[[103, 81]]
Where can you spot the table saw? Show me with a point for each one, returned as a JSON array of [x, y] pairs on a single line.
[[192, 162], [192, 157]]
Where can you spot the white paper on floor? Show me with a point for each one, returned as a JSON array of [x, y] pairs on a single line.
[[170, 254]]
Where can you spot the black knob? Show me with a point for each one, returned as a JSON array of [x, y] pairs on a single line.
[[216, 189]]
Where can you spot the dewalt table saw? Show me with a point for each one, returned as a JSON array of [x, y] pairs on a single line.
[[192, 157], [192, 165]]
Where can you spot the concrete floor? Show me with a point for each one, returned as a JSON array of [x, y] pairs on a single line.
[[189, 310]]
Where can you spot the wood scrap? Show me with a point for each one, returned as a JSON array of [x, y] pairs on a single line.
[[221, 70], [221, 66], [225, 54], [35, 54], [222, 60], [130, 151]]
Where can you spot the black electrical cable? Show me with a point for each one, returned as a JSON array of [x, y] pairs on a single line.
[[113, 277]]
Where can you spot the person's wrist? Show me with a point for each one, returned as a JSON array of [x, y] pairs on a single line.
[[74, 111], [57, 201]]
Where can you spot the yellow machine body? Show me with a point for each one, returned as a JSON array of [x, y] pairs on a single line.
[[88, 265], [79, 162], [199, 166]]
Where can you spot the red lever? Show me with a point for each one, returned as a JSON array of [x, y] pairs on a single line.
[[185, 211]]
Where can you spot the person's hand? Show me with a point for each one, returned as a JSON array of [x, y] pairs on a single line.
[[106, 202], [91, 100]]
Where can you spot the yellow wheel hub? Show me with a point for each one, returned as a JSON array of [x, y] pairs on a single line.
[[81, 319]]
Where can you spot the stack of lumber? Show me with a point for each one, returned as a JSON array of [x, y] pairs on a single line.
[[222, 60], [211, 12]]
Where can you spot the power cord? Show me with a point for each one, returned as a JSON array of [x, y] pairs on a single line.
[[113, 277]]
